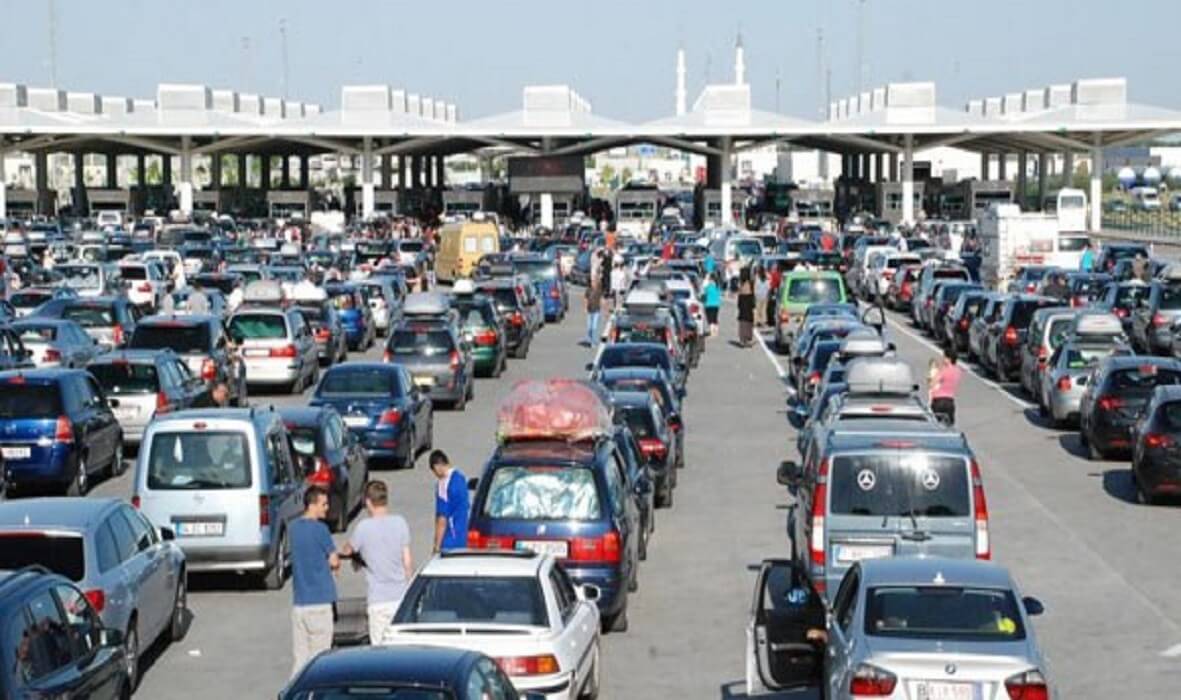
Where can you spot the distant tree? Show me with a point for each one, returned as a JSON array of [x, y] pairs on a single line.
[[607, 174]]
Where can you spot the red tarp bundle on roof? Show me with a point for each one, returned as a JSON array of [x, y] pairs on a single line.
[[566, 409]]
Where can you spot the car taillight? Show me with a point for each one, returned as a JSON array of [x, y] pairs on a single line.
[[963, 324], [784, 316], [930, 302], [983, 545], [1030, 685], [1158, 440], [63, 431], [454, 361], [540, 665], [284, 351], [1122, 313], [653, 448], [208, 369], [603, 550], [888, 274], [117, 334], [162, 405], [323, 476], [476, 540], [1077, 302], [1159, 320], [819, 503], [871, 681], [486, 337], [1031, 287], [390, 417], [51, 355], [97, 599], [905, 291], [1010, 337], [1064, 384], [145, 287], [814, 378], [1109, 403], [517, 319], [135, 502], [387, 356], [694, 309], [323, 334], [1042, 355], [264, 511]]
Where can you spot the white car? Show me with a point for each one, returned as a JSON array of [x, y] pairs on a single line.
[[518, 607], [683, 289], [145, 282]]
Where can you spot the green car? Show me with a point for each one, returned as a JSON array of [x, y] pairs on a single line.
[[481, 326], [799, 290]]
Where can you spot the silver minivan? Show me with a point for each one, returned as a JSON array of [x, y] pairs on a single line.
[[277, 347], [224, 481]]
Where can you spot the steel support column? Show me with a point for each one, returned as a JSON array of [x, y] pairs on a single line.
[[112, 171], [79, 198], [243, 171], [727, 175], [1097, 184], [368, 200], [185, 186], [1022, 165], [440, 171], [304, 166], [1043, 159], [908, 180], [141, 170]]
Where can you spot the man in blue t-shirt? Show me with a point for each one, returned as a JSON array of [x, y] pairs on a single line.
[[451, 504], [313, 561]]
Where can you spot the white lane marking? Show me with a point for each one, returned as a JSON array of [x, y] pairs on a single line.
[[1172, 652], [988, 382], [770, 355]]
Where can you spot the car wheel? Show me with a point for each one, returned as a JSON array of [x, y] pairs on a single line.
[[81, 481], [1094, 453], [590, 689], [339, 506], [618, 621], [277, 574], [131, 653], [180, 609], [117, 464], [411, 453], [643, 554]]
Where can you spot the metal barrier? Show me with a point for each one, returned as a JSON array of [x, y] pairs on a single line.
[[1161, 223]]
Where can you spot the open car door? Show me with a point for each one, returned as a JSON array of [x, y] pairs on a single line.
[[779, 655]]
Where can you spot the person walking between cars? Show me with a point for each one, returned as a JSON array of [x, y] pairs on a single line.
[[382, 543], [594, 304], [713, 302], [313, 562], [198, 302], [762, 293], [452, 502], [746, 308], [1140, 268], [1087, 262], [945, 386]]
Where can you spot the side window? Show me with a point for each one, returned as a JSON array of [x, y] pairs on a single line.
[[49, 643], [81, 621], [563, 593], [139, 529], [124, 538], [335, 433], [94, 391], [497, 686], [476, 686], [182, 371], [279, 457], [615, 487], [846, 600], [106, 548], [166, 374]]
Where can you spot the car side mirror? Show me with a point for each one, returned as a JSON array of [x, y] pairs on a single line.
[[588, 592], [110, 637], [473, 483], [167, 534], [1033, 606], [797, 361], [789, 474], [590, 367], [643, 486], [797, 416]]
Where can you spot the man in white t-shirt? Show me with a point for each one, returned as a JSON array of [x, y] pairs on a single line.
[[383, 542]]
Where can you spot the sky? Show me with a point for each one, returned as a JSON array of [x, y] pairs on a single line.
[[618, 54]]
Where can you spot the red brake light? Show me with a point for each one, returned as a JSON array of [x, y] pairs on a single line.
[[1110, 403], [541, 665], [653, 448], [1159, 320], [264, 511], [814, 378], [486, 337], [145, 287], [51, 355], [605, 549], [387, 356], [454, 360], [819, 503], [983, 545], [323, 334], [97, 599], [1122, 313], [1157, 440], [208, 369], [1011, 336], [871, 681], [162, 405], [135, 502], [284, 351], [1064, 384], [784, 316], [1030, 685], [475, 540], [517, 319], [390, 417], [117, 335], [63, 432], [324, 476]]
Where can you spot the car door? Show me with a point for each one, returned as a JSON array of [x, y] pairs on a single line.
[[841, 632], [106, 426], [100, 669], [286, 489], [578, 621], [786, 619], [49, 669], [154, 577]]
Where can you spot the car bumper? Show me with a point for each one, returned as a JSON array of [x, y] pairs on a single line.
[[271, 373], [354, 335], [1160, 342], [1158, 475], [559, 686], [1109, 434], [1065, 406], [379, 444], [485, 358], [201, 558]]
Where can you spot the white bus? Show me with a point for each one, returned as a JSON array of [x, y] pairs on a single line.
[[1070, 206]]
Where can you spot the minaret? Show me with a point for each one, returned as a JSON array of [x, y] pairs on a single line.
[[681, 96], [739, 62]]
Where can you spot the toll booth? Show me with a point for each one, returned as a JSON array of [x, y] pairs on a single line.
[[465, 201], [709, 207], [969, 199], [285, 204], [561, 177], [109, 200], [889, 198], [22, 204], [854, 196], [564, 206], [207, 201]]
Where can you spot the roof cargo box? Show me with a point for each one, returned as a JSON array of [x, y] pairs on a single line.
[[879, 375], [426, 304], [263, 292], [863, 342]]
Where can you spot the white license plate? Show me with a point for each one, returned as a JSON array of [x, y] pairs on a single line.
[[201, 528], [424, 381], [946, 691], [850, 553], [125, 413], [16, 452], [256, 352], [356, 421], [556, 548]]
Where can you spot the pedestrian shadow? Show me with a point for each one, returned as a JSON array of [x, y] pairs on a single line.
[[737, 689], [1118, 484]]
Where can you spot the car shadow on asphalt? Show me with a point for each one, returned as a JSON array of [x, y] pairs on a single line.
[[1072, 444], [737, 689], [223, 582], [1117, 483]]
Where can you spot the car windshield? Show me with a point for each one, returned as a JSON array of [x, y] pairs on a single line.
[[536, 269], [625, 356], [90, 315], [180, 338], [354, 381], [314, 315], [894, 483], [258, 327], [426, 343], [543, 493], [61, 554], [1143, 378], [639, 419], [126, 377], [498, 600], [198, 459], [943, 612], [820, 290], [80, 276], [29, 400]]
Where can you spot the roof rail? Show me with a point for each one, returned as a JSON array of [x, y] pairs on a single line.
[[508, 553]]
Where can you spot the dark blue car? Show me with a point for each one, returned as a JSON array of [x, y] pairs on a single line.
[[354, 313], [56, 431], [546, 277], [656, 355], [391, 417], [572, 500]]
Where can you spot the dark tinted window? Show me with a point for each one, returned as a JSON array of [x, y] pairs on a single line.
[[625, 356], [1142, 378], [821, 354], [60, 554], [943, 612], [421, 342], [29, 400], [249, 326], [900, 484], [182, 338], [125, 539], [506, 600], [106, 548], [1127, 295], [505, 298], [360, 381], [639, 419], [1170, 297], [1023, 311], [126, 378], [48, 641], [1170, 415]]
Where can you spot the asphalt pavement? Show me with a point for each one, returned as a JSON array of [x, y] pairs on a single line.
[[1068, 528]]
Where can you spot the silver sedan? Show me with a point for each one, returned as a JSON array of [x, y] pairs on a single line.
[[1065, 379]]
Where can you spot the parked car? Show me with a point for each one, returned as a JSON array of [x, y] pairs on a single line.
[[132, 575], [1117, 391], [329, 455], [56, 431], [1156, 469], [438, 358], [202, 343], [276, 347], [141, 384]]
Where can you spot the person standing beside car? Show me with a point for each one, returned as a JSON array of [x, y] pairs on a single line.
[[313, 562], [382, 540], [452, 503], [945, 386]]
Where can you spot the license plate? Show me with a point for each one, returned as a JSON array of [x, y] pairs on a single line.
[[124, 413], [424, 381], [16, 452], [201, 528], [356, 421], [947, 691], [556, 548], [256, 352], [850, 553]]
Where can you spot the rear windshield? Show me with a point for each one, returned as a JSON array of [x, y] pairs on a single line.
[[747, 248], [1071, 244], [421, 343], [258, 327], [543, 493], [1143, 378], [943, 612], [950, 274], [225, 285], [537, 270], [1059, 330], [80, 276], [199, 459], [497, 600], [1023, 312], [61, 554], [1127, 296], [639, 419], [1170, 297], [360, 381], [624, 356], [474, 316], [823, 290], [505, 298], [30, 401], [126, 378], [28, 300], [892, 484], [181, 338], [133, 273], [313, 315], [90, 315], [1123, 252], [36, 334], [1081, 358], [303, 440]]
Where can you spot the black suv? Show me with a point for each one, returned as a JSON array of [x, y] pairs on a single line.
[[53, 642], [515, 315]]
